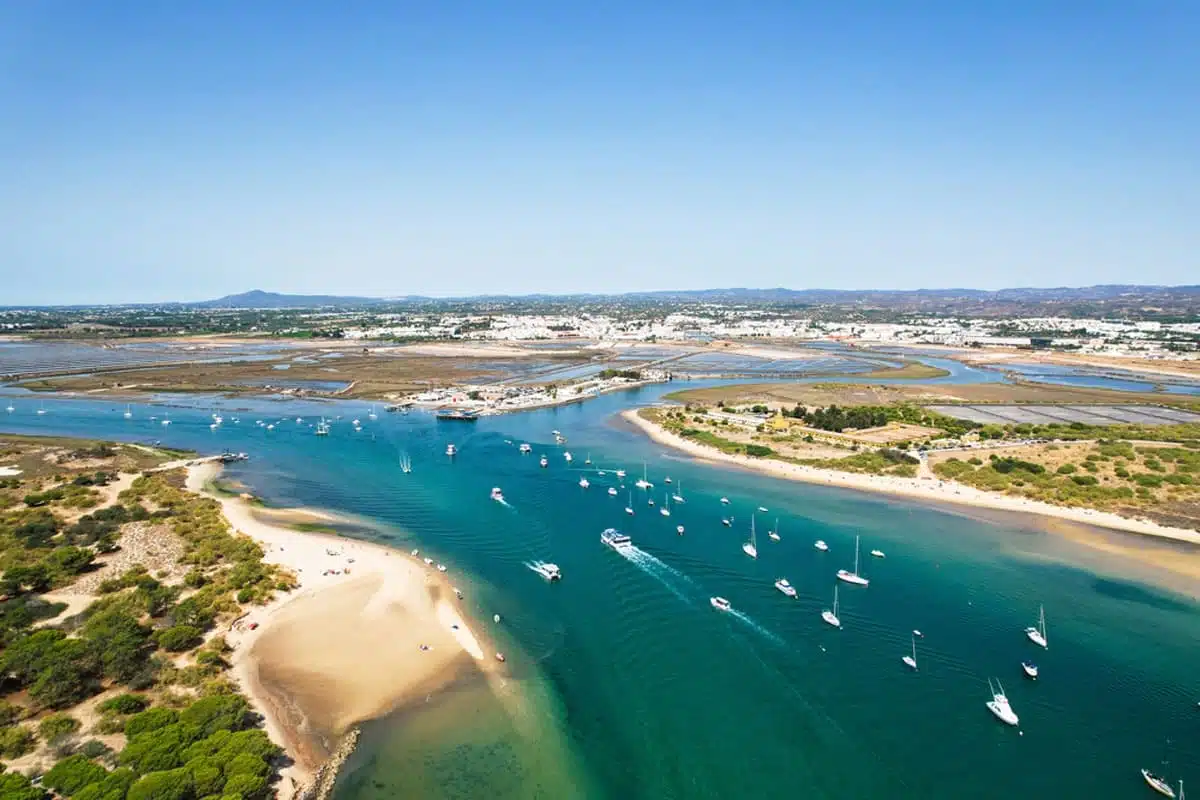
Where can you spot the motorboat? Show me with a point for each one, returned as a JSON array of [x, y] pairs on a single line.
[[727, 521], [1160, 785], [441, 567], [853, 577], [428, 561], [497, 495], [612, 490], [999, 706], [762, 509], [550, 572], [544, 462], [667, 479], [679, 529], [500, 657], [451, 450], [414, 552], [526, 448], [724, 501], [918, 634], [720, 604], [1038, 635], [567, 456], [877, 554], [584, 483], [616, 540], [832, 616], [1031, 669], [820, 545], [620, 473], [785, 587], [911, 660]]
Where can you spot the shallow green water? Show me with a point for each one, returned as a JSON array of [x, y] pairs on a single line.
[[627, 684]]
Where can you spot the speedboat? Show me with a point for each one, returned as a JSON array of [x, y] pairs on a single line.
[[832, 616], [667, 479], [620, 473], [1030, 668], [612, 490], [727, 521], [720, 604], [724, 501], [544, 462], [497, 495], [548, 571], [525, 448], [878, 554], [918, 634], [500, 657], [679, 529], [785, 587], [567, 456], [414, 551], [1038, 635], [441, 567], [616, 540], [583, 483], [762, 509], [820, 545], [428, 561], [1158, 784], [999, 706], [853, 577], [451, 449]]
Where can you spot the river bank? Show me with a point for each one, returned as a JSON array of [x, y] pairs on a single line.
[[934, 490], [369, 630]]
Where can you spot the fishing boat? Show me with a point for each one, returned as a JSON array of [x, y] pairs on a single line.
[[451, 450], [612, 491], [877, 554], [1038, 635], [832, 616], [999, 706], [749, 548], [820, 545], [666, 506], [911, 661], [1160, 785], [720, 604], [526, 448], [678, 496], [642, 483], [773, 534], [497, 495], [544, 462], [1031, 669], [853, 577], [584, 483], [785, 587]]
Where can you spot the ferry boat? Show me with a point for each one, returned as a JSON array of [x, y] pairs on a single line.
[[497, 495], [720, 604], [550, 572], [616, 540], [999, 706], [526, 448], [820, 545], [457, 414], [785, 587], [451, 450]]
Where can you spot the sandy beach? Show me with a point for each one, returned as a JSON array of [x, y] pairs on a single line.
[[368, 630], [933, 489]]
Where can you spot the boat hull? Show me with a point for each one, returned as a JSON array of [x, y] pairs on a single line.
[[850, 577]]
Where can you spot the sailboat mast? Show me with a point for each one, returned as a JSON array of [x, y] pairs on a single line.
[[856, 555]]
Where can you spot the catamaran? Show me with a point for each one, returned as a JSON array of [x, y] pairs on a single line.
[[749, 547], [773, 534], [832, 616], [642, 482], [785, 587], [1038, 635], [912, 660], [999, 706], [451, 450], [853, 577], [666, 506]]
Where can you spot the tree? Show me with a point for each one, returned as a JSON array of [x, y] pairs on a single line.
[[121, 640], [125, 704], [150, 720], [173, 784], [179, 638], [72, 774], [16, 741], [226, 712], [70, 560], [15, 786], [247, 786]]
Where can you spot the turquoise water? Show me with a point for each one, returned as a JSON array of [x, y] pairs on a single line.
[[627, 684]]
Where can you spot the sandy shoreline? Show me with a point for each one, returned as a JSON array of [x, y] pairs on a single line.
[[934, 490], [347, 645]]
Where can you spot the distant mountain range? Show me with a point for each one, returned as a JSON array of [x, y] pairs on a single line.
[[915, 299]]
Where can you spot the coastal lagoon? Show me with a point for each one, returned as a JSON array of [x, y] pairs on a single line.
[[625, 683]]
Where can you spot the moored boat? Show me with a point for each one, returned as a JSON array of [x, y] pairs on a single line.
[[720, 603], [785, 587]]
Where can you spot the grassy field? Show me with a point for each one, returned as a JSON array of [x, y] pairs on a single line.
[[913, 370]]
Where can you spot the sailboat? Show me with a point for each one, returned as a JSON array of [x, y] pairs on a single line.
[[642, 483], [166, 417], [999, 706], [853, 577], [11, 408], [749, 547], [666, 507], [832, 616], [629, 508], [773, 534], [1160, 785], [405, 464], [678, 496], [128, 412], [322, 428], [912, 660], [371, 414], [588, 460], [1038, 635], [42, 410]]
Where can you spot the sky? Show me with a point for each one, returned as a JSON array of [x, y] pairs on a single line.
[[157, 151]]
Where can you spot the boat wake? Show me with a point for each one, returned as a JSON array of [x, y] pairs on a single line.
[[754, 626], [664, 573]]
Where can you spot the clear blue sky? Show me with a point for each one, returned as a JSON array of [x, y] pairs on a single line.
[[163, 150]]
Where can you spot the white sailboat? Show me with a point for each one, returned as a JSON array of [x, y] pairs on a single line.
[[912, 660], [42, 410], [832, 616], [642, 483], [588, 460], [405, 464], [11, 408], [666, 506], [773, 534], [749, 548], [678, 496], [853, 577], [1038, 635], [128, 412], [1160, 785], [629, 508], [166, 417], [999, 706], [371, 414]]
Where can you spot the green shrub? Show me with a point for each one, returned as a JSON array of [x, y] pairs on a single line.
[[179, 638], [124, 704], [16, 741], [57, 727], [72, 774], [1066, 469]]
